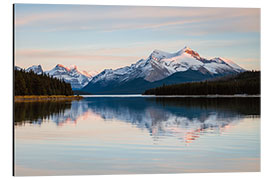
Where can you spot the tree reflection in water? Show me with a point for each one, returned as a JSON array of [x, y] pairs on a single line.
[[162, 116]]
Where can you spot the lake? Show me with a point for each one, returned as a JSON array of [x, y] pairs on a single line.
[[137, 135]]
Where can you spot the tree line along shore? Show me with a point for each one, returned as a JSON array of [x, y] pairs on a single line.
[[29, 86], [243, 83]]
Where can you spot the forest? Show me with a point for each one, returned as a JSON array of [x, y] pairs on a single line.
[[247, 82], [29, 83]]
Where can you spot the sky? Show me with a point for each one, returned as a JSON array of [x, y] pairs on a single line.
[[108, 37]]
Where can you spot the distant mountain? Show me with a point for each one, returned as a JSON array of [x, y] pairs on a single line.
[[17, 68], [71, 75], [37, 69], [160, 68], [77, 79]]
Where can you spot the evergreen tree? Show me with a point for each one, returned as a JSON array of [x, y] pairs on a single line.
[[242, 83], [29, 83]]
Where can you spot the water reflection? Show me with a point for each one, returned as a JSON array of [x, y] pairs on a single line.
[[130, 135], [184, 118], [59, 112]]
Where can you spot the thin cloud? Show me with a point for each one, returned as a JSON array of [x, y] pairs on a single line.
[[64, 54], [135, 51], [119, 18], [39, 17]]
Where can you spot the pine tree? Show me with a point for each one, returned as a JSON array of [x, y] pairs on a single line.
[[29, 83]]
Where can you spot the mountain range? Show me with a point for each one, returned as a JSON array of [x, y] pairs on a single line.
[[159, 68], [77, 79]]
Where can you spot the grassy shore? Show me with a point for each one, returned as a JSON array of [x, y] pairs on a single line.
[[29, 98]]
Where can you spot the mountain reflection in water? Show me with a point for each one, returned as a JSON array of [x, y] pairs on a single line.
[[184, 118]]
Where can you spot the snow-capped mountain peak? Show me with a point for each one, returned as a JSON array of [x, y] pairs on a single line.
[[158, 54], [159, 65], [36, 69], [190, 52], [60, 66], [71, 75], [17, 68], [73, 67]]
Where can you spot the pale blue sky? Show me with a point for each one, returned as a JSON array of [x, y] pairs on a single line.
[[99, 37]]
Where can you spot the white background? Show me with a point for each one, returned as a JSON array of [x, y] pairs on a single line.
[[6, 68]]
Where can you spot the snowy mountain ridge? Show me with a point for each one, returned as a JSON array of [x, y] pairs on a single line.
[[71, 75], [160, 65], [36, 69], [157, 67], [78, 79]]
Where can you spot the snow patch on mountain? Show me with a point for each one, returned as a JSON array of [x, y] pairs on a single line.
[[230, 63]]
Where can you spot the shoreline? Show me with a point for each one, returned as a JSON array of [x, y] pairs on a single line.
[[33, 98], [180, 96]]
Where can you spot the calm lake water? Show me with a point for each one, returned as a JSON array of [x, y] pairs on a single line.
[[130, 135]]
